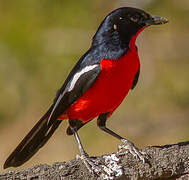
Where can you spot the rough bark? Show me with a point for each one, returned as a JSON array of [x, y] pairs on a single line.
[[164, 162]]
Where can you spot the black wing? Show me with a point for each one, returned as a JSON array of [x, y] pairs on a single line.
[[135, 79], [77, 85]]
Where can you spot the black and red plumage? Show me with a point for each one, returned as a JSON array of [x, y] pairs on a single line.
[[97, 84]]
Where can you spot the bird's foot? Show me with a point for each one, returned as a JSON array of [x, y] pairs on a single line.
[[90, 164], [106, 170], [130, 147]]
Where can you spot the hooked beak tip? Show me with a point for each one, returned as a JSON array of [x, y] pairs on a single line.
[[156, 20]]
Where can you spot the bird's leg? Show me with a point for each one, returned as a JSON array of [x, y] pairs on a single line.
[[129, 146], [89, 163]]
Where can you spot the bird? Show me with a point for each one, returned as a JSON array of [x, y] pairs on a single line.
[[96, 85]]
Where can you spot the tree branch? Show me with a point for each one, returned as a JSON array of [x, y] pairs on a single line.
[[165, 162]]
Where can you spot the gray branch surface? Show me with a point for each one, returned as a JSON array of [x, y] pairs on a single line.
[[164, 162]]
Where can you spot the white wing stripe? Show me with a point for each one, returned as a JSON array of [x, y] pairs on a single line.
[[77, 75]]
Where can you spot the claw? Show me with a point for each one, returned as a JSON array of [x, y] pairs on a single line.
[[130, 147], [107, 170], [90, 164]]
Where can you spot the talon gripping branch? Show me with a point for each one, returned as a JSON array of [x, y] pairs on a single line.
[[96, 86]]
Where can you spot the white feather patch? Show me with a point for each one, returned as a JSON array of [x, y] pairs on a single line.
[[78, 75]]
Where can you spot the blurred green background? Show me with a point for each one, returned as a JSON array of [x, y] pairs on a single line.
[[41, 40]]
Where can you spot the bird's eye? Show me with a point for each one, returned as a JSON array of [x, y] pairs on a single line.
[[134, 18]]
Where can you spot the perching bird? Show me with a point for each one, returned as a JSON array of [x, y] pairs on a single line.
[[96, 86]]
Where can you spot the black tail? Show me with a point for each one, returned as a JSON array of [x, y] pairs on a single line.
[[33, 141]]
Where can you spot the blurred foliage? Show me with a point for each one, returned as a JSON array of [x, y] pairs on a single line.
[[40, 41], [26, 67]]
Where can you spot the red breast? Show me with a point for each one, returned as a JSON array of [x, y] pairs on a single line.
[[110, 88]]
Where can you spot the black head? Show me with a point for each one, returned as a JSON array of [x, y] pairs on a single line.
[[122, 24]]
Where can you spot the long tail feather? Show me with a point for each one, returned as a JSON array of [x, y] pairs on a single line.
[[33, 141]]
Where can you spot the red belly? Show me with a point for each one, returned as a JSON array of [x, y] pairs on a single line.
[[109, 90]]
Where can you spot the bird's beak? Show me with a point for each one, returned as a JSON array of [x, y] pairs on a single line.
[[156, 20]]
